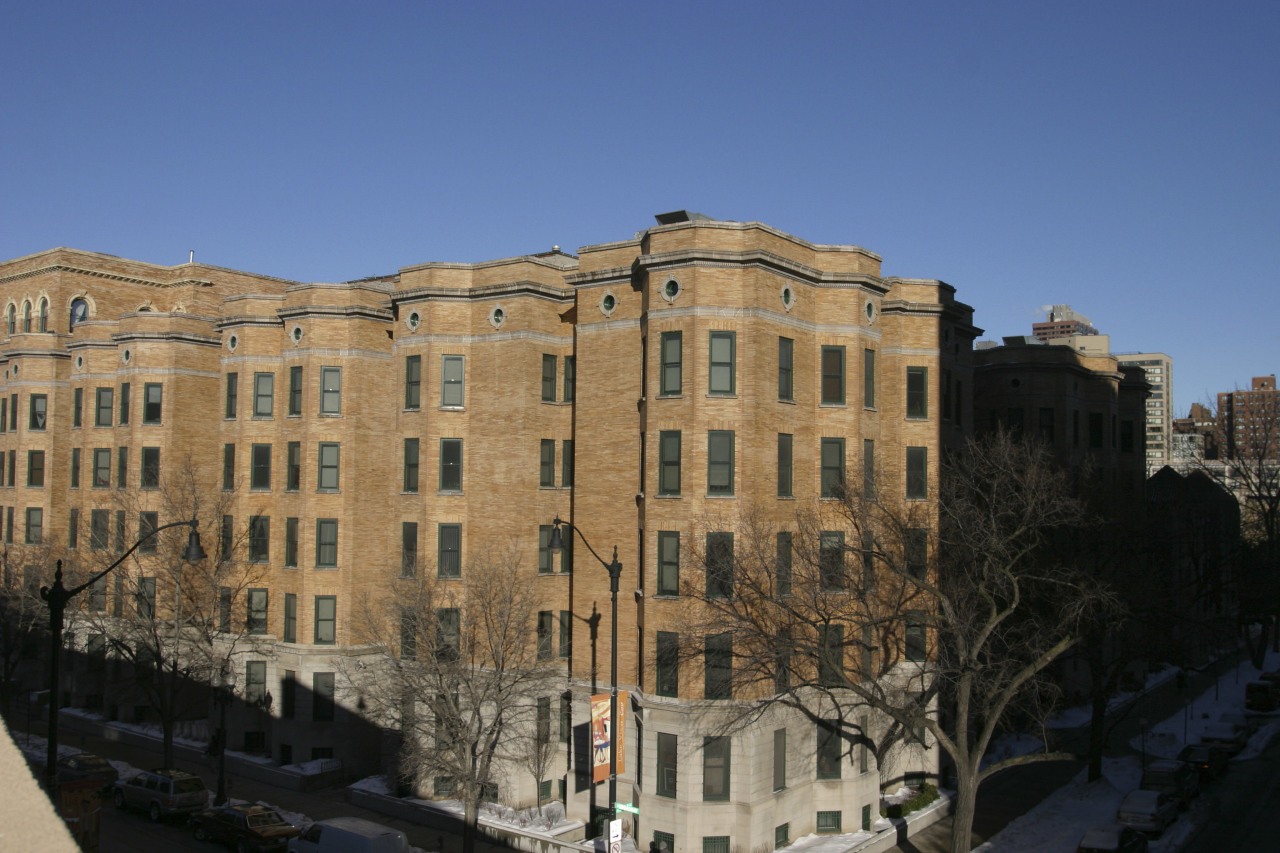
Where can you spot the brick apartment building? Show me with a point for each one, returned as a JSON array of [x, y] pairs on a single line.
[[368, 430]]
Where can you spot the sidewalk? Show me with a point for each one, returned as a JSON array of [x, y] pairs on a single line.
[[1011, 794]]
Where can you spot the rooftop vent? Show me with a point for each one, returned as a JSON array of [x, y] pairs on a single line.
[[677, 216]]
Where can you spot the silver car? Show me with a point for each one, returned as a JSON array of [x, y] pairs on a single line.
[[161, 793], [1149, 811]]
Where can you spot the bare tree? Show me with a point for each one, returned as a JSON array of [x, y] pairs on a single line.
[[23, 617], [456, 665], [947, 622], [176, 624]]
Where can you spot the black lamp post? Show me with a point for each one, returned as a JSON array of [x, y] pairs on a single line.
[[615, 572], [57, 597], [222, 695]]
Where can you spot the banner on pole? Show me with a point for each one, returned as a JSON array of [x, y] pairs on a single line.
[[602, 730]]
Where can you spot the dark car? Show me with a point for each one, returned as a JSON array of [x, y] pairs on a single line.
[[72, 768], [1208, 760], [1178, 779], [1113, 839], [251, 829], [161, 793]]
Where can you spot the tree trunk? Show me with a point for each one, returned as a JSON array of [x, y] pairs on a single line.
[[966, 801], [471, 814], [1097, 730]]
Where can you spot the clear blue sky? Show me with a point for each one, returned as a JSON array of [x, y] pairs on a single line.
[[1121, 157]]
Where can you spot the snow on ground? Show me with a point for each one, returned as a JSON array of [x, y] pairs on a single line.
[[1056, 824], [1071, 718]]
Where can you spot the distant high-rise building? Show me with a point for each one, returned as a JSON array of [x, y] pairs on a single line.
[[1249, 421], [1061, 322], [1158, 424], [1194, 438]]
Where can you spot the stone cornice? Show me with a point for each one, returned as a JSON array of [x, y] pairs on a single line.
[[488, 291], [169, 336], [146, 282], [364, 312]]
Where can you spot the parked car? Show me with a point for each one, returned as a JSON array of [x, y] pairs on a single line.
[[1209, 761], [1246, 723], [349, 835], [72, 768], [162, 793], [1225, 735], [251, 829], [1261, 695], [1175, 778], [1112, 839], [1148, 811]]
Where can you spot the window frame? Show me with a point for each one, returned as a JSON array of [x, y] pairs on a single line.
[[326, 543], [256, 611], [717, 778], [832, 471], [549, 371], [786, 465], [448, 559], [667, 664], [260, 467], [546, 463], [786, 369], [326, 614], [917, 393], [328, 466], [669, 463], [38, 412], [869, 378], [668, 553], [231, 402], [916, 479], [451, 386], [450, 467], [411, 466], [331, 391], [295, 391], [718, 367], [671, 364], [259, 539], [413, 382], [152, 409], [667, 765], [104, 407], [832, 376], [720, 470]]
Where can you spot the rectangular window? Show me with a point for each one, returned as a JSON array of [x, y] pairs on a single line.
[[868, 468], [566, 633], [831, 572], [717, 660], [148, 522], [570, 378], [35, 468], [408, 634], [452, 387], [326, 630], [1126, 436], [122, 467], [99, 528], [869, 378], [915, 548], [667, 764], [290, 618], [449, 547], [259, 538], [667, 664], [830, 822], [917, 473], [917, 392], [1095, 430], [548, 378], [786, 369], [150, 467], [450, 464], [829, 749], [326, 543], [13, 413], [260, 466], [546, 463], [233, 395], [145, 598], [295, 390], [669, 462], [119, 530], [408, 549], [715, 844], [73, 533], [13, 467], [291, 543], [35, 525], [75, 467], [715, 771], [322, 690], [664, 841], [671, 363], [781, 836], [102, 412], [566, 462], [288, 697], [264, 391], [831, 655], [8, 528], [779, 759], [546, 559], [782, 581], [720, 462], [331, 390], [328, 459], [255, 683], [448, 633], [293, 467], [39, 412], [1044, 427], [546, 627], [98, 596], [833, 376], [722, 347], [226, 541], [101, 467], [77, 408], [413, 381], [784, 465], [255, 621], [832, 452], [124, 403], [411, 465], [915, 645], [228, 467], [719, 565], [668, 562]]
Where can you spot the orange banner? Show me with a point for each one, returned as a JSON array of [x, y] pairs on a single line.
[[602, 730]]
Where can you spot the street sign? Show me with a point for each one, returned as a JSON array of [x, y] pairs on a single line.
[[615, 836], [627, 807]]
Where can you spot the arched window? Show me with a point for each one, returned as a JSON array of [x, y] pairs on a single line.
[[79, 312], [11, 318], [26, 316], [44, 315]]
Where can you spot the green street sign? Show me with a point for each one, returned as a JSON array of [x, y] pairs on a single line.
[[626, 807]]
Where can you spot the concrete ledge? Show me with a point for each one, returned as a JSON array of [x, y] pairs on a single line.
[[904, 827]]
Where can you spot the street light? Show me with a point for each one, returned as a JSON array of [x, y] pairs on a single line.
[[223, 693], [57, 597], [615, 572]]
